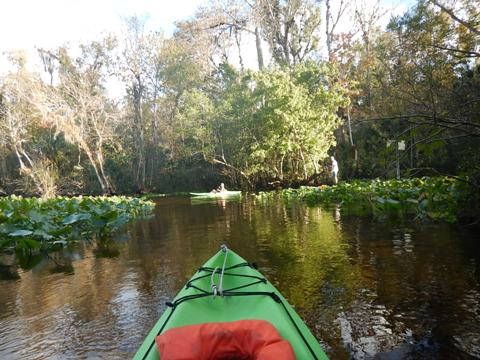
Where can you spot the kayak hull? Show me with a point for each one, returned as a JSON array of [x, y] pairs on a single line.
[[213, 195], [247, 296]]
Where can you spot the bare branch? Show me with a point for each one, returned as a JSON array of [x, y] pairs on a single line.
[[456, 18]]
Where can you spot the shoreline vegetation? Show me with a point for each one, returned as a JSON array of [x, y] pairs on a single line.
[[31, 225], [35, 224], [443, 199]]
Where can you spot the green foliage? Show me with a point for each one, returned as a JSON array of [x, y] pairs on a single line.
[[276, 123], [438, 199], [32, 223], [415, 81], [295, 122]]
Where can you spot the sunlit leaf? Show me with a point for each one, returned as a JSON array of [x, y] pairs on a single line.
[[21, 232]]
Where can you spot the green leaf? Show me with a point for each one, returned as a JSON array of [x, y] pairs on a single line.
[[41, 233], [21, 233], [75, 218], [61, 231], [31, 243], [35, 216], [6, 242], [120, 221]]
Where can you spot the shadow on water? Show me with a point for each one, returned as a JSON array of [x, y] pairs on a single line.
[[368, 290]]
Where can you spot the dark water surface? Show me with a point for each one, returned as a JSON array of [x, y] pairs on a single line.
[[366, 289]]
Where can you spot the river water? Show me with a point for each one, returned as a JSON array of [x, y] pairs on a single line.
[[366, 289]]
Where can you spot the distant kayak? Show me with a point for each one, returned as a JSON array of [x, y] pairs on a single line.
[[228, 307], [217, 194]]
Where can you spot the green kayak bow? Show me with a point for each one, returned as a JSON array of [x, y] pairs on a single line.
[[226, 289]]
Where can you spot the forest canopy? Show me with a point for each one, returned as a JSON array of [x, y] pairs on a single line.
[[329, 79]]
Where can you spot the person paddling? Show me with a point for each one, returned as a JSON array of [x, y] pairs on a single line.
[[220, 189]]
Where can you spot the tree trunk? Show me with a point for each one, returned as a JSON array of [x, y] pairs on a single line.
[[304, 165], [258, 44], [153, 162], [140, 136], [240, 59], [354, 147], [94, 165], [108, 185], [281, 166], [25, 169], [286, 50], [327, 29]]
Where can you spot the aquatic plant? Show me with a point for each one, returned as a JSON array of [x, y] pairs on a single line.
[[435, 198], [28, 224]]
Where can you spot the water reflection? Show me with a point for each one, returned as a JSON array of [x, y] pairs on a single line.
[[366, 289]]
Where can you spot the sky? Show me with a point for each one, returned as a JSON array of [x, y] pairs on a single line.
[[27, 24], [24, 23]]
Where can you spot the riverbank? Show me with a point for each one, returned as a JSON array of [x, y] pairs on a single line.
[[28, 224], [429, 198]]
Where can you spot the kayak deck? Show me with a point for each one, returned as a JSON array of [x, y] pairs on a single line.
[[246, 294]]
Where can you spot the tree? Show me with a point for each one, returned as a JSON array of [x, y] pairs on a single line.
[[79, 108], [140, 71], [298, 117], [222, 26], [272, 124], [332, 19], [426, 74], [417, 83], [291, 28], [135, 54], [22, 99], [470, 8]]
